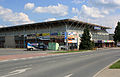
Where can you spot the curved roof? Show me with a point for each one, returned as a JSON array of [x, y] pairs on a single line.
[[40, 24]]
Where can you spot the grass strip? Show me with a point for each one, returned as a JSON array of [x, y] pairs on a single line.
[[115, 65]]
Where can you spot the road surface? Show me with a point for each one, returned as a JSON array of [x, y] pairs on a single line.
[[72, 65], [10, 51]]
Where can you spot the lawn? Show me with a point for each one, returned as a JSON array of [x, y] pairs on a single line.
[[115, 65]]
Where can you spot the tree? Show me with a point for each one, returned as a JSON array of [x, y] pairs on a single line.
[[116, 36], [86, 43]]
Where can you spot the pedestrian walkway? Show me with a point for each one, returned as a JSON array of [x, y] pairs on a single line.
[[19, 56], [106, 72], [109, 73]]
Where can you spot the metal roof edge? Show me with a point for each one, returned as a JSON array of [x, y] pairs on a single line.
[[57, 21]]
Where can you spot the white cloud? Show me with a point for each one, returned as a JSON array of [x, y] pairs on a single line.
[[15, 18], [101, 12], [1, 26], [78, 1], [106, 4], [50, 19], [89, 12], [59, 9], [29, 6], [75, 10], [108, 21]]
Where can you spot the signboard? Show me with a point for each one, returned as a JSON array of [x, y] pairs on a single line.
[[31, 36], [108, 41], [65, 35], [45, 34], [44, 37], [54, 34], [57, 34], [105, 41], [72, 37], [97, 28], [38, 35], [72, 34], [72, 40]]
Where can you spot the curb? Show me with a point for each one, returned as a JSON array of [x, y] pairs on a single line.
[[105, 68]]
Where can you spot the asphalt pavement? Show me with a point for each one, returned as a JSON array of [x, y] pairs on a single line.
[[85, 64], [11, 51]]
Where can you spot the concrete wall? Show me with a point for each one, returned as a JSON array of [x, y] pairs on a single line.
[[9, 42]]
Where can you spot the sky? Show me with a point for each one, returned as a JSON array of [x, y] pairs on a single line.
[[100, 12]]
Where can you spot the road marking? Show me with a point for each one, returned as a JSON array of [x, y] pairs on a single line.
[[24, 66], [16, 72], [68, 75], [4, 61], [23, 58]]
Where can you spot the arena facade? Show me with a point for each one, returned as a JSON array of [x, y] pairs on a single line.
[[65, 32]]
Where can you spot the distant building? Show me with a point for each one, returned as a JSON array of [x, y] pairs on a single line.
[[64, 32]]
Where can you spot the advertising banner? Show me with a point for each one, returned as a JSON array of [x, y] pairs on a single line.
[[97, 28], [57, 35], [72, 37], [45, 34], [31, 36], [54, 34], [44, 37]]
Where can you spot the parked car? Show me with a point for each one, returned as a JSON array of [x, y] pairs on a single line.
[[63, 47], [36, 46]]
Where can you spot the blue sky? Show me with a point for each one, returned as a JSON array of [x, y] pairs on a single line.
[[101, 12]]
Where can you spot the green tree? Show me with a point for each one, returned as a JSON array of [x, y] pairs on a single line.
[[86, 43], [116, 36]]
